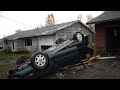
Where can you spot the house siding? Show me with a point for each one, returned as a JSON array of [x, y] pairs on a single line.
[[45, 41], [49, 40], [54, 39], [1, 45], [67, 33], [34, 46], [19, 45], [10, 45]]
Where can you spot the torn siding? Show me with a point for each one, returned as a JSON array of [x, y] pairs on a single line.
[[67, 33], [48, 37]]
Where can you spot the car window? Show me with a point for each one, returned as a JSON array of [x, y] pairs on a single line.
[[58, 47], [62, 45]]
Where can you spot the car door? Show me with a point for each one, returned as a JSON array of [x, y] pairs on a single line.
[[66, 56]]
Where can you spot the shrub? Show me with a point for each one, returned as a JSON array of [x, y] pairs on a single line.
[[94, 47], [7, 49]]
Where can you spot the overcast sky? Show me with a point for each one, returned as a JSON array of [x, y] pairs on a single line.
[[10, 21]]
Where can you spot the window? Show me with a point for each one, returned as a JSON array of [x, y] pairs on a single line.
[[1, 47], [115, 32], [6, 42], [28, 42]]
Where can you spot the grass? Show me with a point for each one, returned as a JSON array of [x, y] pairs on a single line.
[[4, 69], [7, 56], [4, 55]]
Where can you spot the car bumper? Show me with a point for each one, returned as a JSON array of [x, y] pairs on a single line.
[[24, 73]]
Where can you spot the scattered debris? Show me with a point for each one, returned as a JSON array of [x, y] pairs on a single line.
[[59, 75], [91, 60], [112, 57], [101, 69], [73, 72], [84, 60]]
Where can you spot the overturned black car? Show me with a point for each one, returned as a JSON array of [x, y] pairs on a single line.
[[69, 52]]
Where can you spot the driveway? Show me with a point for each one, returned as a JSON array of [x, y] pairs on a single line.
[[100, 69], [2, 62]]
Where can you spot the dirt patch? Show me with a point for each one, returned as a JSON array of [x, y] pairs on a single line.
[[100, 69], [2, 62]]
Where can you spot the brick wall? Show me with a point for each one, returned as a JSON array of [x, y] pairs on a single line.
[[100, 38]]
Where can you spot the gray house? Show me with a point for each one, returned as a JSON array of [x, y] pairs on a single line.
[[43, 38], [1, 44]]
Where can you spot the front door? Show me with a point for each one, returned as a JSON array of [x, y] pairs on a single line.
[[113, 38], [13, 46]]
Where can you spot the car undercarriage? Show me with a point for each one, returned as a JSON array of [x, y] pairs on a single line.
[[53, 59]]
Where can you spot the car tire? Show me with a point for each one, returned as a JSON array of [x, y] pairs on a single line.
[[21, 60], [39, 61], [78, 36]]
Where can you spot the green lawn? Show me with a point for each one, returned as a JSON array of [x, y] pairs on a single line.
[[4, 55], [4, 69]]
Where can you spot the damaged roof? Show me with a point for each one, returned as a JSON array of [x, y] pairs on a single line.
[[48, 30], [106, 16]]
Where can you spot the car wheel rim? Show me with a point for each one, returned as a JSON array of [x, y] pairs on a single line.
[[79, 36], [40, 60]]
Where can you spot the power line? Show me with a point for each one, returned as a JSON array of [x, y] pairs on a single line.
[[2, 34], [15, 21]]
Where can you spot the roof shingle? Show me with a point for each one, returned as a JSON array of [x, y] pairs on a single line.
[[42, 31], [106, 16]]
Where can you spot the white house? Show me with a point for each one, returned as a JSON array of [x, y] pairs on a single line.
[[1, 44], [44, 37]]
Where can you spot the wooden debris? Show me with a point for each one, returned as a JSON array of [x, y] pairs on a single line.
[[91, 59]]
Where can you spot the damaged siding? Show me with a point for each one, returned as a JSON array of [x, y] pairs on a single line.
[[19, 45], [49, 40], [67, 33], [1, 45], [34, 46], [10, 45], [46, 40]]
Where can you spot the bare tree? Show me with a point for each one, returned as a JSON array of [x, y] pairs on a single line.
[[90, 17], [80, 17], [17, 31], [50, 20]]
